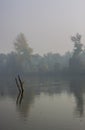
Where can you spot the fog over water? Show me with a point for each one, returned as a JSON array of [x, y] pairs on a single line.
[[42, 65], [47, 103]]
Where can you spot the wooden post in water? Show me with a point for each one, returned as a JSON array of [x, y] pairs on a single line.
[[19, 84]]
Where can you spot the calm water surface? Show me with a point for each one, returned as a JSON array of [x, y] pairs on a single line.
[[46, 104]]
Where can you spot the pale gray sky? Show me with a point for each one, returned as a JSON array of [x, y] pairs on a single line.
[[47, 24]]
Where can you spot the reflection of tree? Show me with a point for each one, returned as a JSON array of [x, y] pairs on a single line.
[[76, 87], [37, 85]]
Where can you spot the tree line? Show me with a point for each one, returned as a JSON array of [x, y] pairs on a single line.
[[22, 60]]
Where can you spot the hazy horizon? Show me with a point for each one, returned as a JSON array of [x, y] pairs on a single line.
[[47, 25]]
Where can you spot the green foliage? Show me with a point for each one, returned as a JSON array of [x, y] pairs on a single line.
[[77, 44], [76, 64], [23, 51], [22, 60], [21, 45]]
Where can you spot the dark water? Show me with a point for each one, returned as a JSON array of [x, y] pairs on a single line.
[[46, 104]]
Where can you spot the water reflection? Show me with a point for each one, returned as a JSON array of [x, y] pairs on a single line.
[[24, 102], [50, 86], [77, 88], [19, 98]]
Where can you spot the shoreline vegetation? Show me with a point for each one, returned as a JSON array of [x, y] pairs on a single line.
[[23, 61]]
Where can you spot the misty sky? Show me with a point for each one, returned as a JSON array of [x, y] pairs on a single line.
[[47, 24]]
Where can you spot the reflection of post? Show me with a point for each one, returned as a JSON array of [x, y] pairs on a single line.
[[24, 102], [19, 98]]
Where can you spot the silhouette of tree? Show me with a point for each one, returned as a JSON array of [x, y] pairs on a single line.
[[77, 44], [21, 45], [75, 63], [23, 51]]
